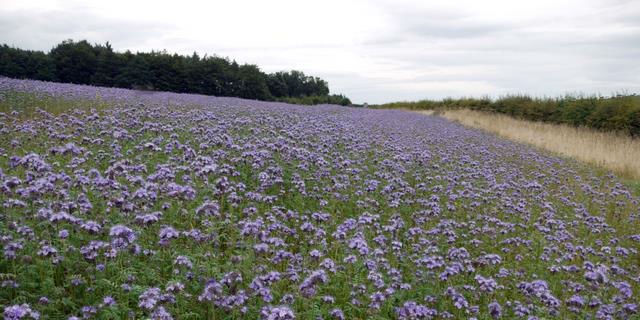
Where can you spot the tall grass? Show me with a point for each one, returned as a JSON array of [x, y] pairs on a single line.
[[619, 113], [611, 150]]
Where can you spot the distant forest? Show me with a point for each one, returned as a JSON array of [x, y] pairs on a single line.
[[83, 63]]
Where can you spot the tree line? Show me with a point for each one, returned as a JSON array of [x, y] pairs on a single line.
[[80, 62], [617, 113]]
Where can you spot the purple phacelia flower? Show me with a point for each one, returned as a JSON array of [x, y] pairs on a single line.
[[486, 284], [307, 288], [21, 311], [413, 311], [160, 313], [108, 301], [209, 208], [167, 233], [495, 310], [121, 236], [63, 234], [277, 313], [91, 227]]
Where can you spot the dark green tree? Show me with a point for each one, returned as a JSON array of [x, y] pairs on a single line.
[[136, 73], [108, 66], [83, 63], [75, 62]]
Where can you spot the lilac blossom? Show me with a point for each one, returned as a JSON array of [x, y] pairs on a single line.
[[22, 311]]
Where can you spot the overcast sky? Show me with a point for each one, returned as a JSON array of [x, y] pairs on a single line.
[[372, 51]]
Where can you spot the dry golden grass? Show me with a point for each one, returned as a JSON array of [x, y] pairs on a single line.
[[612, 151]]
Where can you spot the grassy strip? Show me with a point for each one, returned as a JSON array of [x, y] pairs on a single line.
[[24, 105], [620, 113], [608, 150]]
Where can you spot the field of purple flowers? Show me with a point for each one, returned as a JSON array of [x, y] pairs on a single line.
[[117, 204]]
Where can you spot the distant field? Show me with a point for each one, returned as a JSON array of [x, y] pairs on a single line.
[[613, 151], [118, 204]]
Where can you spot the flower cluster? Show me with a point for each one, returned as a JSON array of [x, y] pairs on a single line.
[[122, 204]]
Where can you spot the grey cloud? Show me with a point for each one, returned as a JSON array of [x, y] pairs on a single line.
[[450, 28], [442, 23], [423, 53], [41, 30]]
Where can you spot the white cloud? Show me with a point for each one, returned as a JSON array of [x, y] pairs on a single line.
[[374, 51]]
